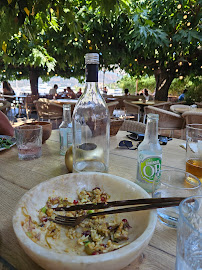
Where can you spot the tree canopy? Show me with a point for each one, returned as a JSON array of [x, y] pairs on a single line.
[[159, 37]]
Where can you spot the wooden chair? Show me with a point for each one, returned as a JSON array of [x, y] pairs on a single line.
[[29, 104], [130, 125], [128, 98], [132, 109], [112, 107], [48, 110], [5, 107], [163, 105], [167, 120], [192, 117]]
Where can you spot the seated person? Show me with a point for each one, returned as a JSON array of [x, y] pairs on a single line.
[[70, 93], [126, 91], [5, 125], [146, 95], [53, 91], [79, 93], [182, 96], [63, 94]]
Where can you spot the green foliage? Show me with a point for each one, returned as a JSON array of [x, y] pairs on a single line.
[[194, 94], [141, 37], [14, 13], [144, 82], [175, 89], [178, 86]]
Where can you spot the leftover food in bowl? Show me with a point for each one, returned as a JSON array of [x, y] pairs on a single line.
[[92, 237]]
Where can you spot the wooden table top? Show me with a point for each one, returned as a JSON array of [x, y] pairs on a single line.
[[17, 177], [64, 101], [144, 103], [13, 96], [178, 108]]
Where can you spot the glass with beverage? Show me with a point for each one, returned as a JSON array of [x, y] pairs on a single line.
[[194, 150], [29, 141]]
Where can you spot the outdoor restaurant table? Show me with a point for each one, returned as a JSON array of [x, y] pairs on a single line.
[[17, 177], [64, 101], [143, 103], [13, 96], [180, 109]]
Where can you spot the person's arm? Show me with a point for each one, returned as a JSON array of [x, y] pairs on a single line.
[[5, 126]]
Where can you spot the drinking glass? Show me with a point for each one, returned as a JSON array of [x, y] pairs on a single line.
[[194, 150], [29, 141], [174, 183], [189, 235]]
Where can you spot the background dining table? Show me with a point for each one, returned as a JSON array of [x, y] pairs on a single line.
[[17, 177], [64, 101], [143, 102], [180, 109]]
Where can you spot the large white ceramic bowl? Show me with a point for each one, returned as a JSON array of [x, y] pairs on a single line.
[[142, 223]]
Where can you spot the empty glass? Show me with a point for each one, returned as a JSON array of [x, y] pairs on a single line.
[[189, 235], [29, 141], [174, 183]]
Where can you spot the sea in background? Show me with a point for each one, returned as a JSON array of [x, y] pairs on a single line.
[[104, 79]]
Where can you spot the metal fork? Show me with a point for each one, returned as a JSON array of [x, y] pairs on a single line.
[[74, 221]]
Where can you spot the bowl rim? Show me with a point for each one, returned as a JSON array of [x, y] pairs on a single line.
[[78, 259], [28, 127]]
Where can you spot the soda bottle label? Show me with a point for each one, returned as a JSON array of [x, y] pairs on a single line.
[[149, 167]]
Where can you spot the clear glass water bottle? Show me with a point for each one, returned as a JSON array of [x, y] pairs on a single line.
[[91, 124], [65, 130], [149, 154]]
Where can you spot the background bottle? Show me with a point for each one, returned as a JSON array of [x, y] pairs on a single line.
[[65, 130], [91, 124], [149, 154]]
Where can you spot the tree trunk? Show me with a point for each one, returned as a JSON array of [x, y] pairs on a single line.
[[163, 82], [33, 77]]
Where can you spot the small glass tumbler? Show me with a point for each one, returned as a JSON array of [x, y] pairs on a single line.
[[174, 183], [29, 141], [189, 235], [194, 150]]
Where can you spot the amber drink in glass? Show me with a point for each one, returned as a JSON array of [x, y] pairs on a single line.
[[194, 150]]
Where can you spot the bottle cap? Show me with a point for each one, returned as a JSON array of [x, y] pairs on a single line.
[[92, 58]]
